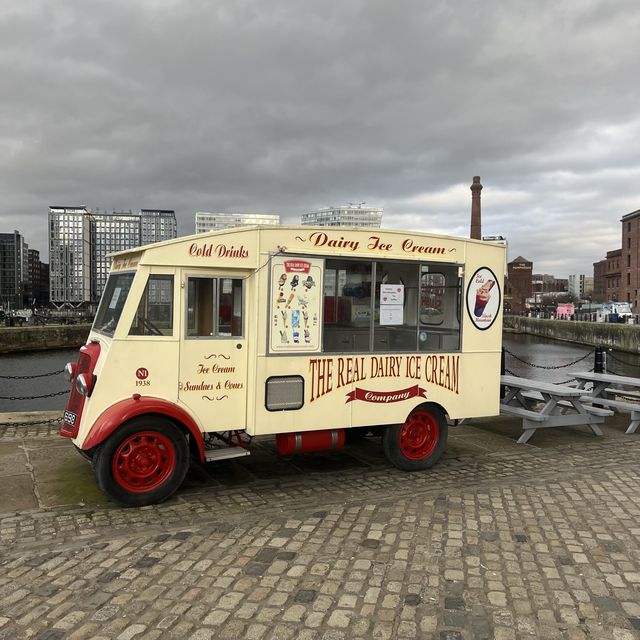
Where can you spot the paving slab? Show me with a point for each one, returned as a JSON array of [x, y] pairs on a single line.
[[13, 459], [498, 540]]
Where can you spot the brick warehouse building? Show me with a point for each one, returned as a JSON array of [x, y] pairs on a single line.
[[621, 268], [519, 284], [607, 277], [629, 264]]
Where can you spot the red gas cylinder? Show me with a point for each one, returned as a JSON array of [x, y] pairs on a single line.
[[306, 441]]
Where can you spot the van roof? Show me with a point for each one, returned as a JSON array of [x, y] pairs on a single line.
[[307, 228]]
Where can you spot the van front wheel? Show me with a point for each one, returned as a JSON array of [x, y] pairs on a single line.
[[419, 442], [142, 462]]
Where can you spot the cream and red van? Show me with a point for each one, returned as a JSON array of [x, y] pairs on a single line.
[[305, 333]]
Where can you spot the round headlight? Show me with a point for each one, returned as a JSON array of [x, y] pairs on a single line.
[[83, 384], [70, 371]]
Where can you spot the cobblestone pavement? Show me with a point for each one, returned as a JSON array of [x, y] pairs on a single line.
[[497, 542]]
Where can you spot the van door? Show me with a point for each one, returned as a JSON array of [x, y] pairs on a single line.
[[213, 352]]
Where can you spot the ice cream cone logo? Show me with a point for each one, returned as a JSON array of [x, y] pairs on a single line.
[[482, 297]]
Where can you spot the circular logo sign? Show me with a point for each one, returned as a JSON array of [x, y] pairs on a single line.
[[483, 298], [142, 373]]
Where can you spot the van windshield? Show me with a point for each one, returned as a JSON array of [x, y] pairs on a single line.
[[112, 302]]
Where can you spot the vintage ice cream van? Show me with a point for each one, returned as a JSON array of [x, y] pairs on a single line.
[[304, 333]]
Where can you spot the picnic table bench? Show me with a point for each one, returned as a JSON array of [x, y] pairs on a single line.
[[546, 405], [606, 388]]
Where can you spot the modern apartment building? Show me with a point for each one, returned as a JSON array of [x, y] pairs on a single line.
[[81, 239], [157, 225], [110, 232], [206, 221], [581, 285], [350, 215], [69, 255], [37, 280], [14, 270]]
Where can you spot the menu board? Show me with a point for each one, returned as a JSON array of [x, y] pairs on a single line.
[[391, 304], [296, 297]]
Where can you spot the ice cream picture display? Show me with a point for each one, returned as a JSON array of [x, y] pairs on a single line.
[[483, 298], [296, 286]]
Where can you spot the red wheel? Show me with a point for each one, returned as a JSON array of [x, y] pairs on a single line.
[[419, 442], [143, 462], [419, 435]]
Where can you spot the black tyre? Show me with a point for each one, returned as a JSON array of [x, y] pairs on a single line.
[[419, 442], [143, 462]]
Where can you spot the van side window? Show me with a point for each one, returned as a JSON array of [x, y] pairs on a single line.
[[154, 316], [214, 307]]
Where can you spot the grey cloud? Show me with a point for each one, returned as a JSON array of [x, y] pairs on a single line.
[[284, 106]]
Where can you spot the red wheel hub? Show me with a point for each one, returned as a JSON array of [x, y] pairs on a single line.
[[143, 461], [419, 435]]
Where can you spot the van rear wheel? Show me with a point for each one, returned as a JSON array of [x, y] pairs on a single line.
[[143, 462], [419, 442]]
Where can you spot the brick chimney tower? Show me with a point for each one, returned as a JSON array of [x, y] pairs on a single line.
[[476, 224]]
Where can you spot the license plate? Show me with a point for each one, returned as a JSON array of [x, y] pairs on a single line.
[[70, 418]]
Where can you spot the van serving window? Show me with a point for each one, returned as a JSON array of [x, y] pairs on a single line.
[[214, 307], [347, 305], [154, 316], [388, 306]]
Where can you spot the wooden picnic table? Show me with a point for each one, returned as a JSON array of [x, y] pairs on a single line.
[[546, 405], [606, 391]]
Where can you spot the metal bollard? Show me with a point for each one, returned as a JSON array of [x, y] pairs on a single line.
[[598, 365]]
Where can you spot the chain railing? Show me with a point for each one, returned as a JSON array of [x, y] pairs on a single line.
[[39, 375], [601, 364], [541, 366], [35, 377], [619, 360], [597, 352], [37, 423]]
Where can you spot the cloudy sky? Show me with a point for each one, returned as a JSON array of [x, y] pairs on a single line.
[[287, 105]]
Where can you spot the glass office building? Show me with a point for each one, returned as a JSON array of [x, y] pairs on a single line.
[[347, 216], [215, 221]]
